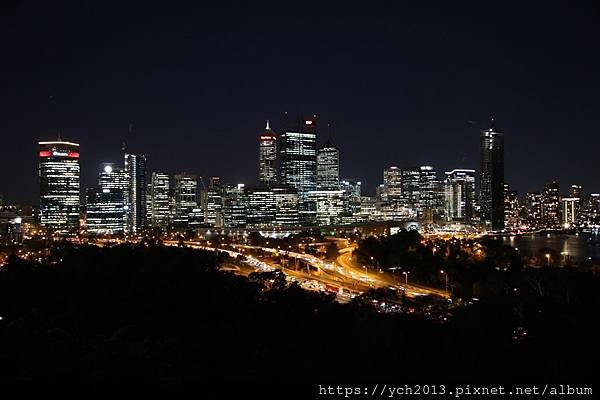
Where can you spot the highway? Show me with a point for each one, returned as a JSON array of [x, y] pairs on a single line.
[[344, 274]]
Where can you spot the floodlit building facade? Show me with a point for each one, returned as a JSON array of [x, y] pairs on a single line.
[[59, 176]]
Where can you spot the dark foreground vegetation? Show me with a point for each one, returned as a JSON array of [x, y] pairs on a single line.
[[156, 313]]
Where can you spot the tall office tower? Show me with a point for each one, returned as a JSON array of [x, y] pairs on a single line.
[[106, 211], [235, 206], [491, 190], [533, 207], [353, 190], [214, 182], [213, 203], [392, 184], [267, 157], [430, 194], [328, 167], [459, 195], [570, 211], [298, 162], [160, 201], [330, 206], [261, 207], [135, 168], [551, 205], [411, 186], [511, 208], [186, 199], [576, 191], [589, 214], [59, 185], [380, 194], [286, 207]]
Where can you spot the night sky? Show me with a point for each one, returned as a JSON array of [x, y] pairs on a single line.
[[398, 86]]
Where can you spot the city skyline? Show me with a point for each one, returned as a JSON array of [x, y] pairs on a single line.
[[379, 84], [256, 180]]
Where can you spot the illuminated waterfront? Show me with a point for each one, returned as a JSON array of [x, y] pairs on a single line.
[[576, 247]]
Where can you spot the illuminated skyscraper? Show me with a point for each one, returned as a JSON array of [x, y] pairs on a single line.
[[569, 211], [106, 211], [328, 167], [286, 207], [186, 198], [533, 207], [491, 191], [459, 194], [135, 168], [392, 184], [59, 185], [430, 194], [267, 158], [551, 205], [411, 187], [511, 208], [353, 190], [235, 206], [213, 209], [330, 206], [160, 200], [298, 162]]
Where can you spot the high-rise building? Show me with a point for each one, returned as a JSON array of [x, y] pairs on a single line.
[[328, 167], [533, 207], [213, 203], [491, 190], [262, 207], [330, 206], [135, 168], [267, 158], [459, 195], [286, 207], [298, 161], [589, 214], [551, 205], [411, 187], [106, 211], [160, 201], [576, 191], [392, 184], [569, 211], [511, 208], [186, 199], [10, 226], [353, 190], [430, 194], [235, 206], [59, 185]]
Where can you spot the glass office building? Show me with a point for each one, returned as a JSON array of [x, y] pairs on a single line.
[[267, 158], [491, 181], [59, 185]]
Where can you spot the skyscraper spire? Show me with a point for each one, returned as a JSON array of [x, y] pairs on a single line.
[[267, 128]]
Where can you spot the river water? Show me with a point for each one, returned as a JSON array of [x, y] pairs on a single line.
[[577, 247]]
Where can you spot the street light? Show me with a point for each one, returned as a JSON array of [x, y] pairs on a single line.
[[548, 258], [446, 276], [406, 280]]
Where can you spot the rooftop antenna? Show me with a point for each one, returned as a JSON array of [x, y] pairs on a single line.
[[328, 131]]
